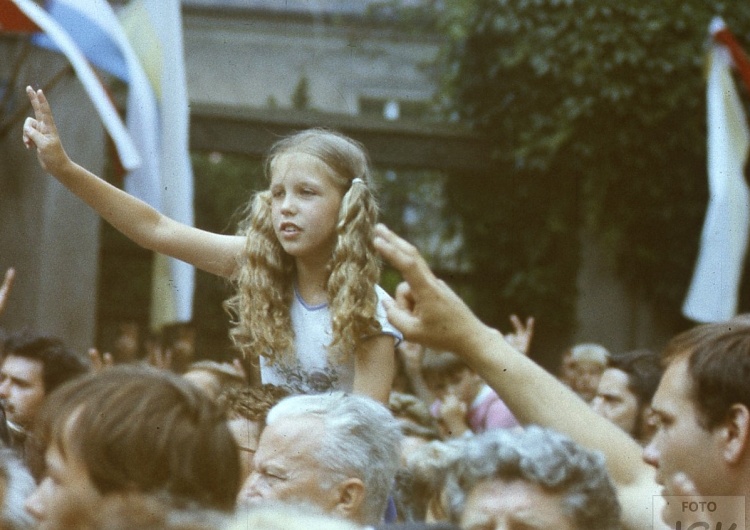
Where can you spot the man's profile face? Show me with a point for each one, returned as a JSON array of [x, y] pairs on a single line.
[[680, 443], [286, 467], [615, 401], [21, 389]]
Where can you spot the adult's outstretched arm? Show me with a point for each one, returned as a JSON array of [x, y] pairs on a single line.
[[428, 312]]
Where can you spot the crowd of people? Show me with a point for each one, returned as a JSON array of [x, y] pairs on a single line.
[[366, 411]]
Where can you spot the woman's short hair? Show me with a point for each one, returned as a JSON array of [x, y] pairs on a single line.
[[542, 457]]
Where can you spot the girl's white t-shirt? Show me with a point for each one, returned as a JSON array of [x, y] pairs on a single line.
[[312, 372]]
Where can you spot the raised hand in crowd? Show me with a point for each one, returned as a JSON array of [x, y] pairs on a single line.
[[427, 311], [100, 361], [5, 288], [520, 337]]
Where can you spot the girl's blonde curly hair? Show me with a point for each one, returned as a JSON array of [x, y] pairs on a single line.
[[261, 321]]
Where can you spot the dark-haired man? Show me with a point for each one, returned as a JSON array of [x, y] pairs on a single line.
[[34, 365]]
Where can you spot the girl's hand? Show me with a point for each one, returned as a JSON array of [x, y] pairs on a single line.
[[40, 132]]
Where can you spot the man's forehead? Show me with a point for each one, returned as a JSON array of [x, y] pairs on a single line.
[[21, 366], [674, 389], [290, 436]]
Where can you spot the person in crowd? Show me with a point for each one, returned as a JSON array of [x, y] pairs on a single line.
[[179, 340], [586, 363], [246, 409], [701, 445], [16, 484], [133, 428], [33, 366], [303, 263], [420, 482], [214, 377], [625, 391], [417, 424], [465, 403], [427, 311], [535, 478], [338, 452], [126, 346]]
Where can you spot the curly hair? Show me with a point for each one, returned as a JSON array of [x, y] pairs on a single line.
[[251, 403], [543, 457], [261, 321]]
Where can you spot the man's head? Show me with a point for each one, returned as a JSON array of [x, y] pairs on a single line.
[[536, 477], [587, 362], [702, 410], [32, 368], [626, 388], [336, 451], [132, 428]]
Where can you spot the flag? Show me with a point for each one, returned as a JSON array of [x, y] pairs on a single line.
[[154, 28], [13, 20], [126, 149], [714, 290], [128, 46]]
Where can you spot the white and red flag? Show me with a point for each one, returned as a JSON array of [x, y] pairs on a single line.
[[714, 291]]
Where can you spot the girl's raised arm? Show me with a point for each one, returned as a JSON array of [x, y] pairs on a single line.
[[214, 253]]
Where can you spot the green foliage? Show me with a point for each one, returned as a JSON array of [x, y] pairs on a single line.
[[223, 186], [596, 115]]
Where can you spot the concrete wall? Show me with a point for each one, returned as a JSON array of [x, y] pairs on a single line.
[[252, 61], [47, 234]]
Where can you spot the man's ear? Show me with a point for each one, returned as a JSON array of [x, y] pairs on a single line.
[[736, 432], [351, 498]]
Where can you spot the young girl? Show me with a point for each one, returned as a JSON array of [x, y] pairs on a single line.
[[303, 261]]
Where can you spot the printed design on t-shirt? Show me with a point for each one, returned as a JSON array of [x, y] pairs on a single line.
[[299, 380]]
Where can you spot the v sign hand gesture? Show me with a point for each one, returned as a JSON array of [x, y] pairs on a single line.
[[40, 132]]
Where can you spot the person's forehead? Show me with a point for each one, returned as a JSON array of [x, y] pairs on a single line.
[[22, 367], [614, 380], [520, 499], [291, 438], [673, 393], [296, 165]]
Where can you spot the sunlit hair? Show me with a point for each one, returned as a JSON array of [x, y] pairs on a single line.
[[136, 428], [265, 279], [361, 439]]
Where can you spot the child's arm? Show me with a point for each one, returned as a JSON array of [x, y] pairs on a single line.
[[214, 253], [375, 367]]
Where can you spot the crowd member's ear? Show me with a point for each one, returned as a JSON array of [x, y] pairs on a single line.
[[351, 496], [736, 430]]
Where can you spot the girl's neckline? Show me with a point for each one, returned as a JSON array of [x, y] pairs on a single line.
[[305, 304]]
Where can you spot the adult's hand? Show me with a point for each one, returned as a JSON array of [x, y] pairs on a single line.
[[425, 309]]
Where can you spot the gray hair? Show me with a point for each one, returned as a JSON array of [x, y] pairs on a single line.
[[19, 484], [544, 457], [361, 439]]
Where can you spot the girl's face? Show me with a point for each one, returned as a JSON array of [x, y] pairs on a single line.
[[305, 207]]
